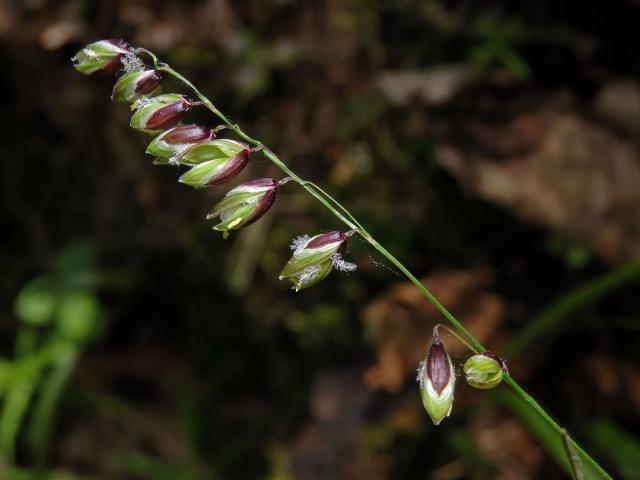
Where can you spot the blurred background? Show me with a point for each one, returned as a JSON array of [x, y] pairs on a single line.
[[491, 145]]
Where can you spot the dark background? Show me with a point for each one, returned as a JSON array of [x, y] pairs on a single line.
[[491, 145]]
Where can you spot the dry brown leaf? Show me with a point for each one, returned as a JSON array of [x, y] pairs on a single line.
[[563, 171]]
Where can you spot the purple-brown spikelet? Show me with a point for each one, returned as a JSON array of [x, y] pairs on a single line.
[[232, 168], [244, 204], [219, 169], [148, 83], [168, 116], [135, 84], [326, 239], [266, 201], [101, 58], [437, 379], [185, 134], [170, 144], [114, 65], [438, 368], [314, 258]]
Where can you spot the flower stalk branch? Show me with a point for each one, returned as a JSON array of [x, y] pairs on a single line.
[[313, 257], [347, 218]]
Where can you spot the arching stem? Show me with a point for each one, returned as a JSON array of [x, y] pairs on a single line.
[[354, 225], [436, 332]]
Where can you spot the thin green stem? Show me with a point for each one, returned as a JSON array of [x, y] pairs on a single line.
[[452, 332], [347, 218], [336, 203]]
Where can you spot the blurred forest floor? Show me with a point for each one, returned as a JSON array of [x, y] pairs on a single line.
[[493, 146]]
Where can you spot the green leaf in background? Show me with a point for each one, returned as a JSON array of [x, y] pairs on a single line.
[[76, 258], [498, 45], [46, 405], [621, 448], [543, 431], [37, 301], [25, 474], [16, 404], [19, 381], [6, 372], [78, 316], [588, 293]]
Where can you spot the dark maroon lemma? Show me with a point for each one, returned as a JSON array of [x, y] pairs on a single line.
[[267, 199], [186, 134], [327, 238], [168, 116], [261, 182], [232, 168], [438, 369], [149, 83], [263, 206]]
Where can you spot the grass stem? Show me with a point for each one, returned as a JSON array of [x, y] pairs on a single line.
[[348, 219]]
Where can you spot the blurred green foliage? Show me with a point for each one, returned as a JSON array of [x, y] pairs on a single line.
[[612, 441], [60, 314], [498, 42]]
